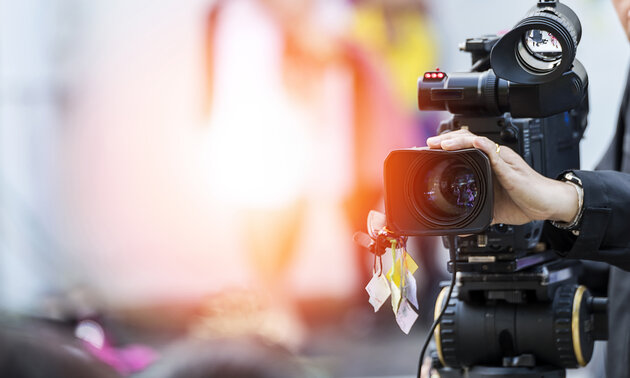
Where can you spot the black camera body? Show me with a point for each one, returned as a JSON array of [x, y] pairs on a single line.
[[551, 120], [511, 291], [550, 145]]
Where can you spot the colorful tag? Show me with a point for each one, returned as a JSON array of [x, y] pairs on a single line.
[[406, 316], [395, 273], [379, 291], [396, 297], [396, 276], [398, 282], [410, 264], [411, 291]]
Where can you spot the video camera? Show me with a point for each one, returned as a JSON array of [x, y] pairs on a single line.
[[517, 309]]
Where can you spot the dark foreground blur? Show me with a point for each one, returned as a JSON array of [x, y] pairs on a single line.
[[190, 341]]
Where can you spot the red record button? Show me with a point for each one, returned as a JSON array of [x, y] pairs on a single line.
[[434, 76]]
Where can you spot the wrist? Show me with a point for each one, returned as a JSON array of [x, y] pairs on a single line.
[[566, 202]]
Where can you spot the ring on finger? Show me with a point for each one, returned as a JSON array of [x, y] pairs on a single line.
[[498, 147]]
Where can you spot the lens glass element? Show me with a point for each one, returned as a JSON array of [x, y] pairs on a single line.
[[539, 50], [449, 190], [543, 45]]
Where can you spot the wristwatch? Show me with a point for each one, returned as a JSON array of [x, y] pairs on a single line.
[[573, 226]]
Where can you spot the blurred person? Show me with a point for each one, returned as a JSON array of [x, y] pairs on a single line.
[[401, 34], [312, 116], [167, 203]]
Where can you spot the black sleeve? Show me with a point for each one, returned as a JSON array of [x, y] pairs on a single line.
[[605, 227]]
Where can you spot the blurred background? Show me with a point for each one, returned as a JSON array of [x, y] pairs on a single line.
[[180, 180]]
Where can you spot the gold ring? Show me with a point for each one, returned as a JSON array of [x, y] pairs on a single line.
[[498, 148]]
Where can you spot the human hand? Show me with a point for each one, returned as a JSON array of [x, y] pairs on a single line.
[[521, 194]]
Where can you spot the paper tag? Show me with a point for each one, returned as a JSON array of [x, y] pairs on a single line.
[[395, 273], [410, 264], [406, 316], [411, 291], [379, 291], [387, 260], [396, 297]]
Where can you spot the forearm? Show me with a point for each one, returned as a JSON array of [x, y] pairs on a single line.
[[604, 231]]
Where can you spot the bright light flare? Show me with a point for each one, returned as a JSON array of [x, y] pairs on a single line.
[[257, 157]]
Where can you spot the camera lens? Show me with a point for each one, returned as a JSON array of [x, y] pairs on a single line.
[[437, 192], [447, 190], [540, 50]]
